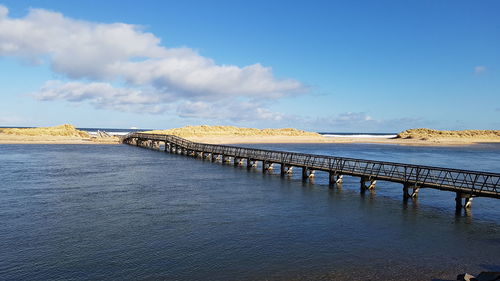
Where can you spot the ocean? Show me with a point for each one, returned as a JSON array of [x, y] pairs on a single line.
[[118, 212]]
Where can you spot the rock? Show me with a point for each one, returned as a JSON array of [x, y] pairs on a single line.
[[483, 276], [466, 277]]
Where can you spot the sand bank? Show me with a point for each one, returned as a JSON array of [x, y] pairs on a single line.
[[236, 135], [68, 134], [302, 139], [63, 134], [232, 131]]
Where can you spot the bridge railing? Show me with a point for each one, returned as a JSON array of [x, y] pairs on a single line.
[[473, 182]]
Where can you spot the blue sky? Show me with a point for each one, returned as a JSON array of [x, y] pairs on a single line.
[[371, 66]]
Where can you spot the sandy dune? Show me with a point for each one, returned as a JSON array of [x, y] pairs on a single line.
[[68, 134], [234, 135], [63, 134]]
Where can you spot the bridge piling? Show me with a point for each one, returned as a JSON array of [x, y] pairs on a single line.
[[463, 201], [251, 163], [285, 169], [238, 161], [334, 179], [267, 166], [363, 181], [414, 193], [307, 173]]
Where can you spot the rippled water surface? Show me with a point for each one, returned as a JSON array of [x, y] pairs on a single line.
[[117, 212]]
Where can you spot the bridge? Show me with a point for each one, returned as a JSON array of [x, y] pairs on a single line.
[[465, 184]]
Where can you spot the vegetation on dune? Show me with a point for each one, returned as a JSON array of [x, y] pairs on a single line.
[[205, 130], [65, 130], [423, 133]]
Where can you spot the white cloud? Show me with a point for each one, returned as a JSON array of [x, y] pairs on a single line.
[[479, 69], [104, 95], [119, 53], [3, 12], [352, 117], [236, 112]]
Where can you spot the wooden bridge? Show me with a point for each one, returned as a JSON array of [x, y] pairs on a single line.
[[466, 184]]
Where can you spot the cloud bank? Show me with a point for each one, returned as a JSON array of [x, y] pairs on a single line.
[[119, 66]]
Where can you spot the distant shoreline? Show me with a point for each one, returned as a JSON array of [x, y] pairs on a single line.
[[67, 134], [372, 140], [63, 134], [8, 139]]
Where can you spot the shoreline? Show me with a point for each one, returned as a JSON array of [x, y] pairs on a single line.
[[312, 139], [18, 139]]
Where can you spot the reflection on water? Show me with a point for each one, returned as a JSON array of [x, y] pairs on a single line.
[[75, 212]]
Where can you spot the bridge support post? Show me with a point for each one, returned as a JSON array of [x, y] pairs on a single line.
[[335, 179], [238, 161], [266, 166], [307, 173], [413, 194], [251, 163], [364, 187], [225, 159], [285, 169], [466, 203]]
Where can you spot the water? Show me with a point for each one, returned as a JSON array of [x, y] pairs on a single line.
[[117, 212], [112, 131], [360, 135]]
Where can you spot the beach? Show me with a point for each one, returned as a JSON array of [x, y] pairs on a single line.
[[417, 137], [322, 139], [9, 139], [62, 134], [68, 134]]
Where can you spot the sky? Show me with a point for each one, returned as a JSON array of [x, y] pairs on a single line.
[[328, 66]]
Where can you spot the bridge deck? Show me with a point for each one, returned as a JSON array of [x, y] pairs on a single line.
[[471, 183]]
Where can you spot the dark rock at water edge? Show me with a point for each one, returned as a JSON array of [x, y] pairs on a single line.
[[483, 276]]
